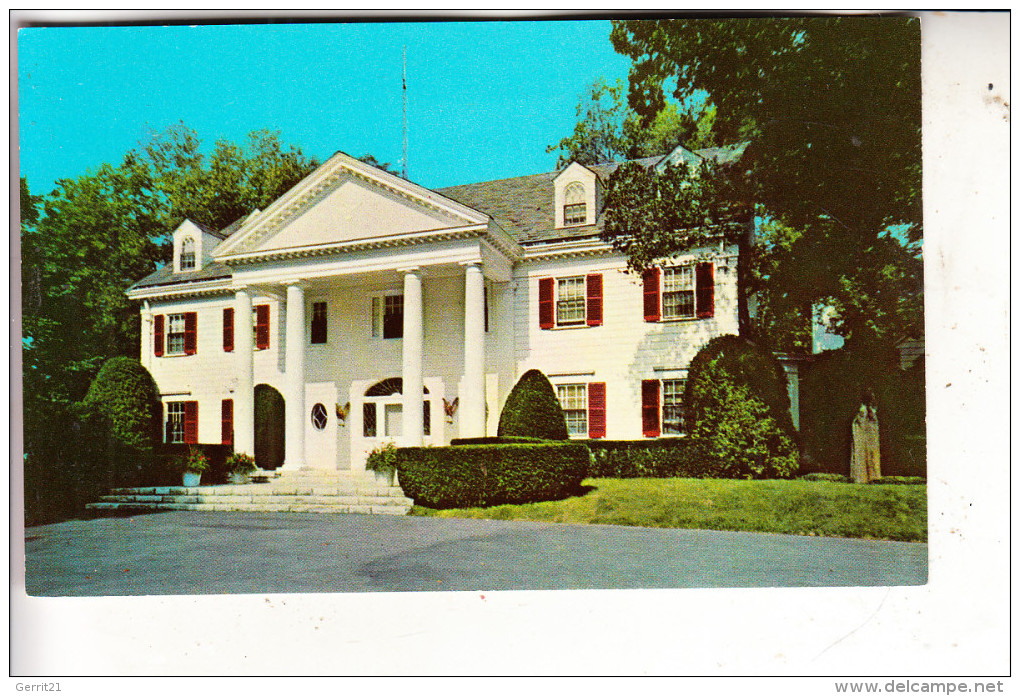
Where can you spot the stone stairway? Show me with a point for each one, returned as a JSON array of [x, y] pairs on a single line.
[[337, 492]]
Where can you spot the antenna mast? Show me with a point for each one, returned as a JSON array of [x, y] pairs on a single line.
[[403, 81]]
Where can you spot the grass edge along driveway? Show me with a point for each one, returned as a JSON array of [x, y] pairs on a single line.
[[808, 508]]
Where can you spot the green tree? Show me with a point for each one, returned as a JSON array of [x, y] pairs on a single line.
[[608, 130], [91, 238], [831, 110]]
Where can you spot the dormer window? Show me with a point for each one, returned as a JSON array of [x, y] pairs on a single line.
[[187, 254], [574, 206]]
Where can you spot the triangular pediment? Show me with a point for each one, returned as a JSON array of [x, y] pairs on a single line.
[[347, 201]]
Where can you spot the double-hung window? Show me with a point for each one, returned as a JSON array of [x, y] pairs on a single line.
[[570, 300], [175, 422], [574, 402], [574, 207], [678, 292], [187, 262], [175, 334], [673, 422], [388, 316]]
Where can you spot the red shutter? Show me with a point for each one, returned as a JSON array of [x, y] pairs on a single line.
[[650, 407], [190, 333], [704, 279], [546, 305], [262, 326], [157, 339], [594, 292], [191, 422], [228, 329], [227, 422], [652, 307], [596, 409]]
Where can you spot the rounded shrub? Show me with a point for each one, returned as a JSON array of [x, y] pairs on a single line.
[[739, 410], [121, 417], [744, 363], [126, 395], [532, 410]]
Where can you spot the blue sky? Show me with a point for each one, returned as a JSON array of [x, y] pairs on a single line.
[[484, 98]]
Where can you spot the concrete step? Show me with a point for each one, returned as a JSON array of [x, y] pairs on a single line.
[[109, 507], [336, 492], [243, 499]]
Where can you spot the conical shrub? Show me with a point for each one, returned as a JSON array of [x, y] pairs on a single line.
[[532, 410]]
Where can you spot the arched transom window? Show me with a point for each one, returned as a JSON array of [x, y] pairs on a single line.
[[574, 208], [382, 409], [188, 254]]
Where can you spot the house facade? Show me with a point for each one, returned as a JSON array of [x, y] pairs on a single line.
[[381, 311]]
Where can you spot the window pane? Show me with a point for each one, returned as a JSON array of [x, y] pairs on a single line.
[[574, 214], [175, 334], [319, 325], [376, 317], [369, 417], [393, 316], [573, 400], [673, 407], [427, 415], [175, 422], [678, 292], [393, 415], [570, 301]]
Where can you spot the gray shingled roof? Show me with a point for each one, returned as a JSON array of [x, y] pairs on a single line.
[[523, 206], [166, 276]]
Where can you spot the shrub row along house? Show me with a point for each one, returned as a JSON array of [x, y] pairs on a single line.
[[376, 311]]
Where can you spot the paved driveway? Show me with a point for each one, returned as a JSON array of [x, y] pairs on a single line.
[[213, 552]]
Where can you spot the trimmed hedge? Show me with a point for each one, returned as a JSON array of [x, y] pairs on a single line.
[[829, 478], [532, 410], [899, 480], [745, 364], [506, 440], [483, 475], [120, 420], [665, 458]]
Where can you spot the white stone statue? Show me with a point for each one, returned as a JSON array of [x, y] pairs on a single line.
[[864, 455]]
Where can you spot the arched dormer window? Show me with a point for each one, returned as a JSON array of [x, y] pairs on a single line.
[[187, 254], [574, 208]]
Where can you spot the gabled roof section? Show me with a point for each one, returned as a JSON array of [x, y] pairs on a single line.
[[337, 171]]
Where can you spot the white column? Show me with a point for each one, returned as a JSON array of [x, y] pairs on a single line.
[[413, 355], [147, 339], [244, 394], [472, 420], [294, 454]]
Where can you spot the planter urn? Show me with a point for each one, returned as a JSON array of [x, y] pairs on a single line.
[[191, 479]]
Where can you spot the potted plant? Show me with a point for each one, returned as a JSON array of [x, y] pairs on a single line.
[[194, 464], [382, 461], [239, 467]]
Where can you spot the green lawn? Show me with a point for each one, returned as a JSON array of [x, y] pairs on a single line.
[[815, 508]]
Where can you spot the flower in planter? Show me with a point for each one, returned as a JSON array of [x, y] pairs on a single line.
[[196, 461], [238, 463], [382, 458]]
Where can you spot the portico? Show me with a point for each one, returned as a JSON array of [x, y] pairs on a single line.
[[393, 300]]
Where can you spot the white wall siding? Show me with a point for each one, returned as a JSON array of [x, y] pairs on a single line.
[[625, 349]]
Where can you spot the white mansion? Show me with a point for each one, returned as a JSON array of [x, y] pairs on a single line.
[[382, 311]]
